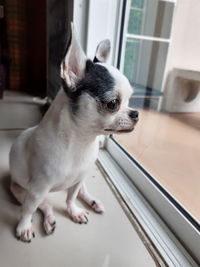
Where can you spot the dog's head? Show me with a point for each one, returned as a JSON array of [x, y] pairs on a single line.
[[99, 94]]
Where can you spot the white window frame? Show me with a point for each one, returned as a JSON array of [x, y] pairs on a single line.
[[186, 237], [173, 233]]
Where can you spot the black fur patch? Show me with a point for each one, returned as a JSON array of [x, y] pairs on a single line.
[[96, 83]]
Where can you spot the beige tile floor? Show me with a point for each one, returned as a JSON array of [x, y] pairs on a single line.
[[168, 146], [107, 240]]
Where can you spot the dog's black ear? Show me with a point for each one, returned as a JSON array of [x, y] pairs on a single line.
[[74, 63], [103, 51]]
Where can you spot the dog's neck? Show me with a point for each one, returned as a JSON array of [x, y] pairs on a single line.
[[61, 120]]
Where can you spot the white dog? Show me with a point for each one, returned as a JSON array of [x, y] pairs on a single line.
[[57, 153]]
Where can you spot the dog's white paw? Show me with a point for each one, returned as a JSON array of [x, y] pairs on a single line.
[[97, 206], [49, 224], [24, 231], [77, 214]]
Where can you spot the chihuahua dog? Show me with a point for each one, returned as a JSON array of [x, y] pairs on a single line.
[[57, 153]]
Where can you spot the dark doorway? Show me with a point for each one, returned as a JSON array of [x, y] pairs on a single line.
[[33, 39]]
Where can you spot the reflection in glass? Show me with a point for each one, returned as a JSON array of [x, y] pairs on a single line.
[[151, 18], [167, 95]]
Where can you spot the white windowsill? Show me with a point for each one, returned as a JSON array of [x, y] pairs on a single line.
[[169, 248]]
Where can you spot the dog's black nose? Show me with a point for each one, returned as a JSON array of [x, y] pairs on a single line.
[[133, 114]]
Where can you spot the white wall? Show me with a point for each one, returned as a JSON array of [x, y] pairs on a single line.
[[103, 23], [81, 20], [96, 20], [183, 60], [184, 51]]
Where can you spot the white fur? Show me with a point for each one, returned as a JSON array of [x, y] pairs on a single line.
[[57, 153]]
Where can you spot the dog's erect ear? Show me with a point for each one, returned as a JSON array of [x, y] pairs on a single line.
[[103, 51], [73, 65]]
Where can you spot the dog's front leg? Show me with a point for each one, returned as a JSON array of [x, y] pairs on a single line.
[[77, 214], [31, 202], [95, 204]]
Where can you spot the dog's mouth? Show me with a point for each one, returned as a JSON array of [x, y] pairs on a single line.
[[119, 131]]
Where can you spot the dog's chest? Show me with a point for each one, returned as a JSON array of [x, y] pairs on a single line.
[[74, 164]]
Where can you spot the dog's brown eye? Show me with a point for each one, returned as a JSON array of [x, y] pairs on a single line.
[[113, 105]]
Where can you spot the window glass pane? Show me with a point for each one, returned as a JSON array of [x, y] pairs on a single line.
[[141, 56], [167, 95], [151, 18], [131, 58], [135, 21], [137, 3]]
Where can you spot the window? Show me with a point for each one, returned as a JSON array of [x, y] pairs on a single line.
[[158, 162], [146, 39], [166, 139]]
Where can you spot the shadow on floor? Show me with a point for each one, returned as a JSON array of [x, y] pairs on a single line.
[[5, 189], [11, 209], [8, 205]]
